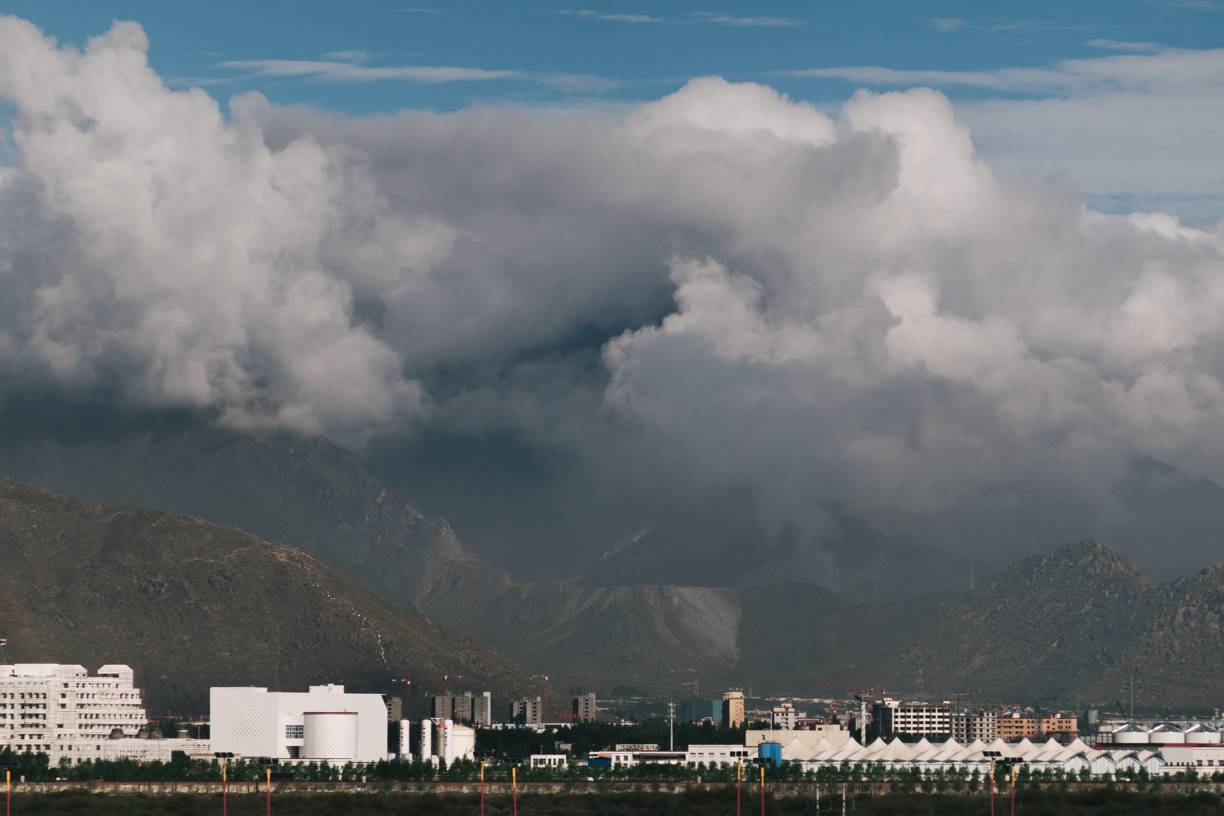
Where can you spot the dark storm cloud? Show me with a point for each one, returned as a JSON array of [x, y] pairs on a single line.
[[723, 287]]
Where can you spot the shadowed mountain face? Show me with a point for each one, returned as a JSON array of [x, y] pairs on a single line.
[[189, 605], [721, 542], [1055, 628]]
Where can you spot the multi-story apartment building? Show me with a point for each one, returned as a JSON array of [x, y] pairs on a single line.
[[785, 716], [468, 707], [528, 711], [928, 719], [1015, 727], [62, 711], [981, 725], [733, 709], [584, 707]]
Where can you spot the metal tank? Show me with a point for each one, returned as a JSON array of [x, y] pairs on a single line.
[[329, 735], [1131, 736], [1202, 735], [1167, 734]]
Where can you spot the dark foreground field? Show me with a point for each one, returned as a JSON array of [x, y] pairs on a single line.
[[714, 802]]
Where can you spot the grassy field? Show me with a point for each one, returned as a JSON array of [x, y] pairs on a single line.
[[705, 802]]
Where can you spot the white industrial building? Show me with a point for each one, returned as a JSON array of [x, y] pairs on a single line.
[[709, 755], [322, 724], [952, 755], [62, 711]]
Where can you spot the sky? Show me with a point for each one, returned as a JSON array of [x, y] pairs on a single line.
[[561, 273], [363, 59]]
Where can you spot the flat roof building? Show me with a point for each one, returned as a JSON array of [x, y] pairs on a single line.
[[60, 710], [322, 724]]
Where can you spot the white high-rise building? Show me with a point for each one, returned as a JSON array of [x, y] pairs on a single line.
[[62, 711]]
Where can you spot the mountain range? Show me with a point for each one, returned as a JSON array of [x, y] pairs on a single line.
[[1060, 628]]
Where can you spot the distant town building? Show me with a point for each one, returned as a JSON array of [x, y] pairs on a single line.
[[785, 716], [733, 709], [528, 711], [926, 719], [323, 723], [584, 708], [475, 708], [1016, 727], [482, 709], [62, 711], [442, 707], [968, 726]]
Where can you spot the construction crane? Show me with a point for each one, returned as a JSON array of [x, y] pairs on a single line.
[[860, 694], [545, 675]]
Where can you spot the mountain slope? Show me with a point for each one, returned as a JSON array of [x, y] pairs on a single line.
[[317, 497], [1046, 626], [1063, 627], [189, 604]]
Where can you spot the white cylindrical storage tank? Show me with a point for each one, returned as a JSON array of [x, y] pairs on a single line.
[[1168, 736], [1129, 736], [1202, 736], [426, 739], [329, 735], [405, 742]]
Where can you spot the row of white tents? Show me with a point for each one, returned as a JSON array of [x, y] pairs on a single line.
[[952, 755]]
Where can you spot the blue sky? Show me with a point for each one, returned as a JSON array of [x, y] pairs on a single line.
[[548, 52], [1126, 74]]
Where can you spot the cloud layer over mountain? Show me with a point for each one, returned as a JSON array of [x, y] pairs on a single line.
[[720, 288]]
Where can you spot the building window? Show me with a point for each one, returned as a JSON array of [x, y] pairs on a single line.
[[294, 732]]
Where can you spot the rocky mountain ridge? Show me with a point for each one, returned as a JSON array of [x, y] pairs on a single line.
[[1058, 627], [190, 604]]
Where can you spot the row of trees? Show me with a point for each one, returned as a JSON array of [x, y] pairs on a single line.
[[37, 768]]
